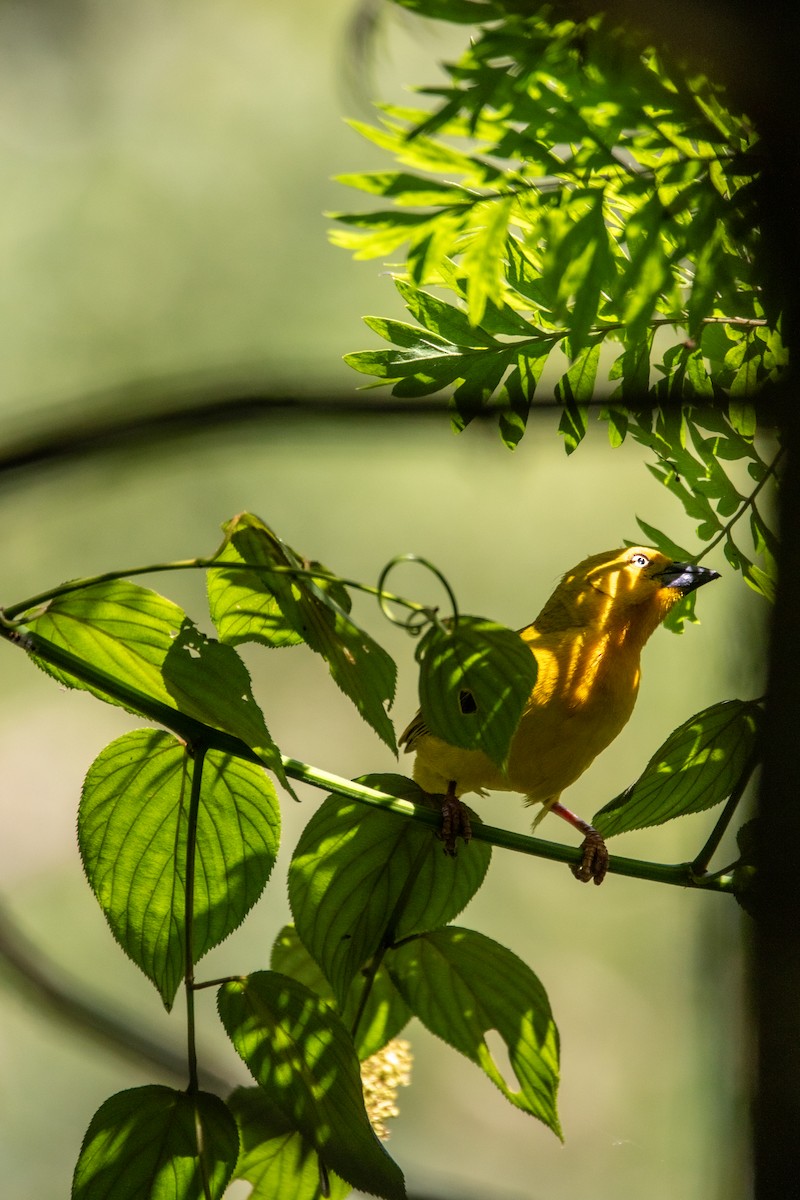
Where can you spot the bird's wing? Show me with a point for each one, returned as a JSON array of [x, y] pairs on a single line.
[[415, 730]]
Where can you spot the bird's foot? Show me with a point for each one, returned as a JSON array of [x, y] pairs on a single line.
[[455, 822], [594, 863]]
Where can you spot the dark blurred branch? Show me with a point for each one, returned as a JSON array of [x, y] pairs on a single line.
[[46, 987], [149, 414]]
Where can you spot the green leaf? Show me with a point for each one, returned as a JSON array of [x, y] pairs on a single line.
[[479, 384], [276, 1159], [617, 420], [483, 258], [243, 610], [706, 282], [635, 365], [743, 418], [579, 263], [423, 342], [443, 319], [209, 681], [300, 1053], [697, 767], [648, 273], [148, 644], [405, 188], [576, 386], [760, 581], [475, 679], [463, 985], [661, 542], [573, 424], [385, 1014], [120, 627], [351, 877], [153, 1143], [361, 668], [132, 826], [698, 377]]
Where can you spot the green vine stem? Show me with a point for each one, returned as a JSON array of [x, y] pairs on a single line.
[[196, 732], [13, 611], [747, 503], [196, 752]]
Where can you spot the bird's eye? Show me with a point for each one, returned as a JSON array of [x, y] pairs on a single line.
[[640, 560]]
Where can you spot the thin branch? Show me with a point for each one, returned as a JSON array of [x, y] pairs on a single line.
[[149, 414], [197, 755], [748, 502], [677, 874], [11, 611], [195, 731], [700, 864]]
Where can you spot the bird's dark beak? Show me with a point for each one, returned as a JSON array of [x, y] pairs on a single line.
[[685, 577]]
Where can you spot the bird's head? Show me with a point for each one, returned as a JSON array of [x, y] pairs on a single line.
[[634, 587]]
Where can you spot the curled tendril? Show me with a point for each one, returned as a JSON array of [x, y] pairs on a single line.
[[418, 618]]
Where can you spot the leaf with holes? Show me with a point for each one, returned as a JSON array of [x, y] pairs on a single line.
[[132, 827], [148, 644], [463, 985], [359, 876], [155, 1142], [300, 1053], [360, 667], [475, 679]]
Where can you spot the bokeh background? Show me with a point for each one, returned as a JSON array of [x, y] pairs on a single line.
[[166, 170]]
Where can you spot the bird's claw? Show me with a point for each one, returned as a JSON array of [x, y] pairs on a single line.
[[455, 823], [594, 862]]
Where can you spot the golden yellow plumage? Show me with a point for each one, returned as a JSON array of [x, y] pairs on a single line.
[[587, 641]]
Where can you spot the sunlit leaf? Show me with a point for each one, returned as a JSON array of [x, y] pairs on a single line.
[[132, 833], [360, 667], [440, 318], [463, 986], [351, 876], [483, 257], [696, 768], [475, 679], [302, 1056], [148, 644], [275, 1158], [155, 1143]]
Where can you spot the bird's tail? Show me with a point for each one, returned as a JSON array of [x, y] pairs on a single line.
[[546, 806]]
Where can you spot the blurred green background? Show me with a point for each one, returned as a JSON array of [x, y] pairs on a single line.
[[165, 172]]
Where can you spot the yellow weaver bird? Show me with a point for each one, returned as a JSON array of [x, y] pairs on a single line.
[[587, 642]]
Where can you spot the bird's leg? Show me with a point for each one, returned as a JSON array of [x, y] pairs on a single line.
[[455, 820], [594, 863]]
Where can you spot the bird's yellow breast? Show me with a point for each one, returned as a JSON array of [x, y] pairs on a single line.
[[585, 692]]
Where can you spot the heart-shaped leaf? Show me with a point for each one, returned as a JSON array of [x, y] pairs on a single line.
[[475, 679], [462, 985], [360, 878], [132, 829], [153, 1143]]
